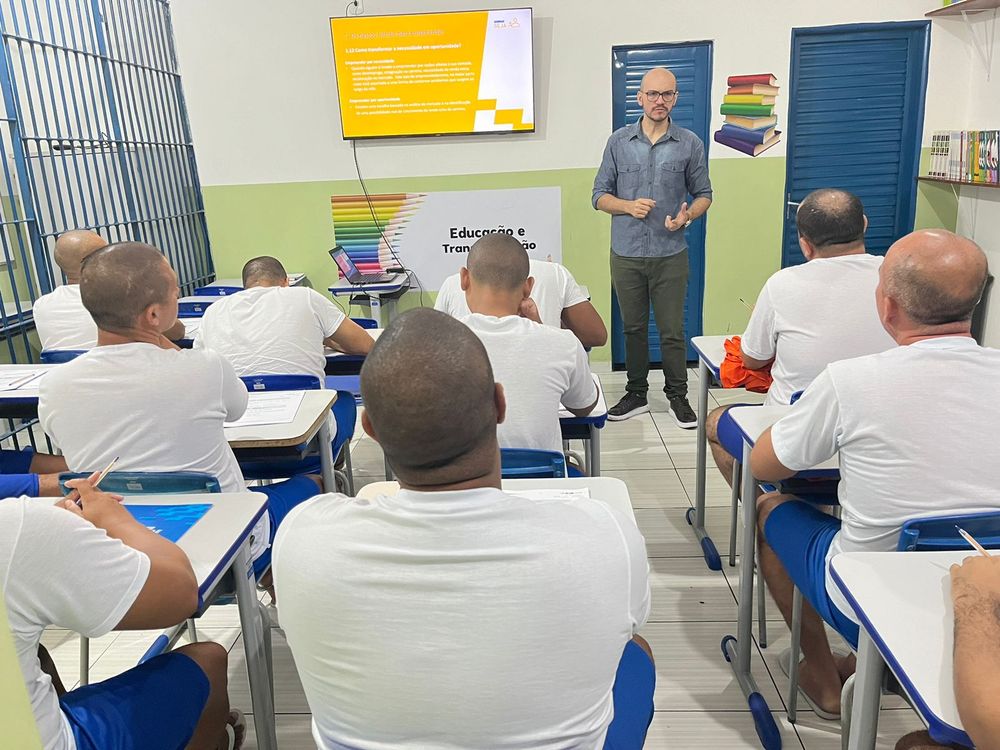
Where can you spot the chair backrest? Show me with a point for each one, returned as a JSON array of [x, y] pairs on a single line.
[[940, 532], [256, 383], [369, 323], [529, 463], [150, 482], [58, 356], [216, 291], [795, 397]]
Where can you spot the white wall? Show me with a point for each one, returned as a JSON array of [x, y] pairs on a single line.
[[260, 87]]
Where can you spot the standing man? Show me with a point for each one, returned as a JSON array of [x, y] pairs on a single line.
[[648, 171]]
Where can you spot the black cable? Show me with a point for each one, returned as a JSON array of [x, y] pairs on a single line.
[[371, 207]]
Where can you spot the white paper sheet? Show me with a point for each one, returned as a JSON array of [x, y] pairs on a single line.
[[554, 493], [276, 407], [19, 378]]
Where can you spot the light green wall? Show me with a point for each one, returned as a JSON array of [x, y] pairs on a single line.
[[292, 221], [18, 722]]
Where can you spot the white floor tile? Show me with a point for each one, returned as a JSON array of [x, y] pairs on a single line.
[[717, 492], [294, 732], [289, 698], [699, 730], [652, 488], [685, 590]]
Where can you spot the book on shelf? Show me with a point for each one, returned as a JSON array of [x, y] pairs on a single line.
[[753, 149], [747, 99], [752, 123], [759, 89], [765, 79], [751, 110], [965, 156], [745, 134]]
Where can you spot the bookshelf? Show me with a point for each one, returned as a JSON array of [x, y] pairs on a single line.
[[964, 8], [943, 181]]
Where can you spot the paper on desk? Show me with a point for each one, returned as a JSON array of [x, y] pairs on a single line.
[[277, 407], [11, 379], [562, 493]]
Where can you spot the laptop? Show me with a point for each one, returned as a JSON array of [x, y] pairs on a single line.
[[351, 272]]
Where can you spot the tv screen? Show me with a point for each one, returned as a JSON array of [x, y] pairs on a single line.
[[434, 73]]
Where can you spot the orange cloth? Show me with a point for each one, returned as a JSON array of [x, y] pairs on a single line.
[[734, 374]]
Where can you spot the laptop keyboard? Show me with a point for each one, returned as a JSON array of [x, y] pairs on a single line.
[[370, 278]]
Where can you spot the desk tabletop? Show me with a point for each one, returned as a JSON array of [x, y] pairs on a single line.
[[903, 600], [343, 286], [598, 416], [309, 418], [753, 420], [711, 350], [27, 392], [334, 354], [607, 490], [294, 279]]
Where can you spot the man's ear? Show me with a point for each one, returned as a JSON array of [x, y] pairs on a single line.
[[529, 284], [866, 225], [463, 278], [500, 401], [807, 248], [366, 425], [284, 282]]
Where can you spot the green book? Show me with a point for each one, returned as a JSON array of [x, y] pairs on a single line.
[[753, 110]]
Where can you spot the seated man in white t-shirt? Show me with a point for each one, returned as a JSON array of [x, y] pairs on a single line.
[[271, 328], [454, 614], [60, 318], [916, 428], [138, 397], [810, 315], [561, 302], [93, 569], [539, 366]]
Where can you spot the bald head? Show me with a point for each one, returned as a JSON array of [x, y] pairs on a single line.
[[831, 220], [498, 261], [119, 283], [429, 397], [936, 277], [71, 249], [658, 79], [264, 271]]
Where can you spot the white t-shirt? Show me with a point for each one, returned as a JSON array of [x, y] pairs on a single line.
[[917, 428], [271, 330], [555, 289], [156, 409], [810, 315], [471, 619], [62, 321], [540, 367], [60, 570]]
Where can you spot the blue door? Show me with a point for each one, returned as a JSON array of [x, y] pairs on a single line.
[[855, 118], [692, 64]]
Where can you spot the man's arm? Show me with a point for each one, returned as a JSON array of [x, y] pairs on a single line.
[[350, 338], [975, 590], [754, 364], [603, 197], [582, 388], [765, 463], [176, 331], [584, 320], [170, 593]]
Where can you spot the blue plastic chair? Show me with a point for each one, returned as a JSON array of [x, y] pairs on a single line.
[[529, 463], [59, 356], [216, 291], [939, 533], [257, 383], [366, 323], [149, 482]]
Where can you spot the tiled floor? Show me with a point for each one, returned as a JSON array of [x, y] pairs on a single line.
[[699, 704]]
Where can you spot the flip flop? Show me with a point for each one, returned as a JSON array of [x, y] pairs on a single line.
[[785, 662], [236, 729]]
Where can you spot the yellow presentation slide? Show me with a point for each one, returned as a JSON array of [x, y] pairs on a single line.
[[434, 73]]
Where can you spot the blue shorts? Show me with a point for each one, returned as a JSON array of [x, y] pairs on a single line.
[[16, 462], [155, 706], [635, 681], [729, 434], [281, 498], [800, 535]]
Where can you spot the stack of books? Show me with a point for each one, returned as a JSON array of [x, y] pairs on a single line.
[[749, 111], [966, 156]]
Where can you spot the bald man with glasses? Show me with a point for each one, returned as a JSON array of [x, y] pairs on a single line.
[[649, 169]]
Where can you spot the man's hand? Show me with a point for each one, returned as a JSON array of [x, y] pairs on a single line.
[[674, 223], [976, 581], [529, 310], [100, 508], [639, 208]]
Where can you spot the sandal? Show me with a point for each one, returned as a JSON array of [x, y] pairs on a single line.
[[785, 662]]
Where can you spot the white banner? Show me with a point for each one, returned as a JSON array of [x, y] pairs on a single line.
[[431, 233]]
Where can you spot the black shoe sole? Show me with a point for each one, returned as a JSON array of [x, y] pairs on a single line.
[[644, 409]]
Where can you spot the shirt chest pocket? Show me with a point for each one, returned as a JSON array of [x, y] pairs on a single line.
[[629, 179], [671, 173]]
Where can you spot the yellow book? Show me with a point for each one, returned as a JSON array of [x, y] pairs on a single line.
[[747, 99]]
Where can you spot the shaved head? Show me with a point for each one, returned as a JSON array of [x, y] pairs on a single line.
[[429, 395], [936, 277], [263, 270], [119, 282], [831, 219], [498, 261], [658, 79], [72, 247]]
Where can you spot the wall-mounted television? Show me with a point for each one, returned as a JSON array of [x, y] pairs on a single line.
[[456, 73]]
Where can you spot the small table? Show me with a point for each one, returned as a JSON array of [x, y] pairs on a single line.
[[711, 353], [217, 545], [903, 601], [21, 403], [312, 417], [588, 429], [375, 294], [752, 421], [338, 363], [607, 490]]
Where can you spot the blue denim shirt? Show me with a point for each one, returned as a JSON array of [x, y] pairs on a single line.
[[667, 171]]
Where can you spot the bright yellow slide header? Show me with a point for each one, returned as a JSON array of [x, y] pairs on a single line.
[[434, 73]]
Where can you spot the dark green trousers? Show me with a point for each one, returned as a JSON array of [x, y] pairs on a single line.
[[662, 282]]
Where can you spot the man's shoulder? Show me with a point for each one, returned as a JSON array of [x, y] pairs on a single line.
[[623, 133]]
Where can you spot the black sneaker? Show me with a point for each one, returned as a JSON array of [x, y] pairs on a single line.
[[630, 405], [684, 415]]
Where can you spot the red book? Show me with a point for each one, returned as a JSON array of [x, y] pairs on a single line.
[[767, 79]]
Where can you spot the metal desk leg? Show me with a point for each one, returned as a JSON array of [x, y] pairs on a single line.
[[375, 305], [737, 650], [696, 516], [867, 694], [326, 456], [253, 643], [594, 461]]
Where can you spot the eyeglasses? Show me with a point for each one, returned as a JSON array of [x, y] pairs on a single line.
[[664, 95]]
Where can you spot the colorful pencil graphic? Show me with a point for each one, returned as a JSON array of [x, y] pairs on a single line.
[[368, 226]]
